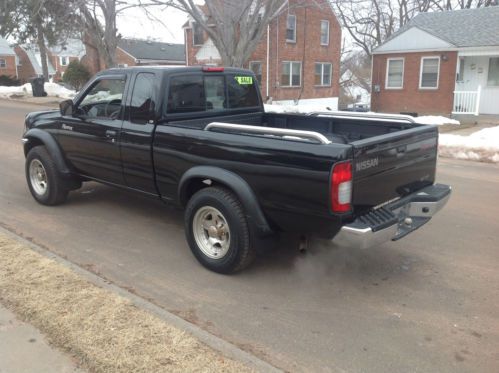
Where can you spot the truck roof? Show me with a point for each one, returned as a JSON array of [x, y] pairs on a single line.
[[173, 69]]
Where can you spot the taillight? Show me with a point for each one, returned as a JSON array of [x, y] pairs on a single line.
[[341, 187], [213, 69]]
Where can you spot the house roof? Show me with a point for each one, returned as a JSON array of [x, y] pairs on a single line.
[[70, 48], [5, 48], [461, 28], [35, 60], [152, 50]]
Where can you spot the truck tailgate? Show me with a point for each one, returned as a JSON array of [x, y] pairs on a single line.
[[393, 165]]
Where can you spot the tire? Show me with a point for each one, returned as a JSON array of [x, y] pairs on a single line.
[[216, 214], [44, 181]]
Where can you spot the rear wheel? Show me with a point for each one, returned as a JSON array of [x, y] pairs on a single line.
[[217, 230], [45, 184]]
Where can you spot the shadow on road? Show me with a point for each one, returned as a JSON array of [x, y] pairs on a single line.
[[321, 261]]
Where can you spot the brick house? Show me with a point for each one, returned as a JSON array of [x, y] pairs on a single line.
[[61, 55], [30, 65], [298, 57], [440, 63], [8, 60], [58, 58], [138, 52]]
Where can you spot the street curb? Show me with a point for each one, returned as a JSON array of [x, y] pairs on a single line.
[[55, 104], [226, 348]]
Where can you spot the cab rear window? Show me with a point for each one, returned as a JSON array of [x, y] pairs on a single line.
[[242, 91], [207, 93]]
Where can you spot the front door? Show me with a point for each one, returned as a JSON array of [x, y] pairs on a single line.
[[90, 137]]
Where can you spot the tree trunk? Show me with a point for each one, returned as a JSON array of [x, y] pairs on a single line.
[[43, 49]]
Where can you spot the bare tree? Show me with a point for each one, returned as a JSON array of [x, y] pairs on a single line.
[[98, 24], [234, 26], [370, 22]]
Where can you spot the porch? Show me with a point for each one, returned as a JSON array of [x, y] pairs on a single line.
[[477, 84]]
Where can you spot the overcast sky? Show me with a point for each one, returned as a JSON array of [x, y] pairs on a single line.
[[134, 23]]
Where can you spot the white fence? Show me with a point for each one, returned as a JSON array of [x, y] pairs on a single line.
[[467, 102]]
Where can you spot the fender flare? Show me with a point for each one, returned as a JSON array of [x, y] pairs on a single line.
[[52, 147], [237, 184]]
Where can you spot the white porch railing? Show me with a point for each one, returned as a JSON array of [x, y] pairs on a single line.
[[467, 102]]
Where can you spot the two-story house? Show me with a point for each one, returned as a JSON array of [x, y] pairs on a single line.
[[298, 58], [58, 58]]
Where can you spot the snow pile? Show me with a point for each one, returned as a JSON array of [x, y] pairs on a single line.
[[52, 89], [479, 146], [303, 109], [56, 90], [436, 120], [7, 92]]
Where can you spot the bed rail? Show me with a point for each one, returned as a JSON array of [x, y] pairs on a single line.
[[282, 132]]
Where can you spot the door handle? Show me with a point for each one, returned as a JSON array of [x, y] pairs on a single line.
[[110, 134]]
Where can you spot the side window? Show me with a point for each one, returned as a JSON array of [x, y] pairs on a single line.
[[256, 67], [103, 100], [186, 94], [291, 28], [242, 91], [142, 105], [197, 34]]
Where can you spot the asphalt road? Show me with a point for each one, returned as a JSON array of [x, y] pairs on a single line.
[[428, 303]]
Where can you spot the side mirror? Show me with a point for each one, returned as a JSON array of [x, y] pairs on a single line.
[[66, 107]]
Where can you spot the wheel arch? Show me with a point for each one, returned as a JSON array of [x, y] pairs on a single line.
[[197, 178], [35, 137]]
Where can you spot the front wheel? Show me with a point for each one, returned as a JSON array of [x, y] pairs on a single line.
[[44, 181], [217, 230]]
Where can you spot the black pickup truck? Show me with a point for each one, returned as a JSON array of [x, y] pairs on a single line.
[[199, 137]]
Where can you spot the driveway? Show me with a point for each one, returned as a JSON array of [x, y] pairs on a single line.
[[428, 303]]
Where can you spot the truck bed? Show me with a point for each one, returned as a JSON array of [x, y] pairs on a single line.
[[392, 155]]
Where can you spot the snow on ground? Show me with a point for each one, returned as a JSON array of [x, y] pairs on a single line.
[[303, 109], [436, 120], [479, 146], [52, 89]]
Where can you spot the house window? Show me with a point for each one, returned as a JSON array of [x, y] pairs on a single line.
[[3, 63], [197, 34], [63, 60], [430, 67], [460, 75], [324, 32], [323, 74], [493, 77], [291, 29], [122, 65], [291, 74], [394, 73], [256, 67]]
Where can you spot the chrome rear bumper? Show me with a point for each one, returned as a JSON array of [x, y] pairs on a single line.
[[395, 220]]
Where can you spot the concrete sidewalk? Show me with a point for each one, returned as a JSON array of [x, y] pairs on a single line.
[[23, 349]]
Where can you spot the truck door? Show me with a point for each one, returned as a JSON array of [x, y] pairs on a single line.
[[90, 137], [137, 133]]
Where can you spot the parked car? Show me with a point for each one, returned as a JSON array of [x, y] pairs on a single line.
[[199, 138]]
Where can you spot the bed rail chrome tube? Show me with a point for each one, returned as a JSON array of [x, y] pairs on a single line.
[[361, 115], [309, 135]]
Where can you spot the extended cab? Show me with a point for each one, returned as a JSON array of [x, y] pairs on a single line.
[[199, 137]]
